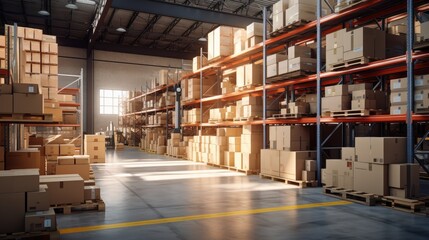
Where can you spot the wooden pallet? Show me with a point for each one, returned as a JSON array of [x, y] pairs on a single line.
[[246, 119], [346, 5], [55, 235], [247, 87], [28, 117], [218, 58], [299, 183], [422, 111], [278, 32], [90, 205], [247, 172], [290, 115], [403, 204], [350, 63], [355, 113], [289, 75], [351, 195], [297, 24]]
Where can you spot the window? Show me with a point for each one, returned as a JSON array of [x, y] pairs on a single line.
[[110, 101]]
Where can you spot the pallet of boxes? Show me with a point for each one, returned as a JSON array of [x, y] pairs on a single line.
[[95, 147], [25, 206], [399, 95], [375, 170], [289, 158]]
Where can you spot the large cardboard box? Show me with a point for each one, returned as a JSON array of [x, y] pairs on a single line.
[[39, 200], [280, 6], [92, 193], [6, 106], [254, 29], [299, 51], [293, 163], [64, 189], [337, 103], [291, 138], [348, 154], [278, 21], [81, 169], [398, 175], [12, 208], [371, 178], [339, 173], [302, 64], [298, 12], [41, 221], [23, 159], [220, 42], [364, 42], [381, 150], [251, 161], [22, 180], [27, 103], [336, 90]]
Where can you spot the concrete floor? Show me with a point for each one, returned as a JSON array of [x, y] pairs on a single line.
[[151, 191]]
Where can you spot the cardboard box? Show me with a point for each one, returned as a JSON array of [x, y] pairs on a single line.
[[398, 174], [398, 98], [362, 104], [399, 84], [41, 221], [238, 160], [5, 89], [6, 106], [52, 149], [64, 189], [338, 173], [67, 149], [280, 6], [16, 181], [298, 12], [299, 51], [398, 109], [334, 56], [39, 200], [27, 103], [381, 150], [337, 103], [12, 208], [51, 167], [272, 70], [254, 29], [23, 159], [270, 162], [310, 165], [253, 74], [292, 138], [95, 138], [81, 159], [92, 193], [276, 58], [364, 42], [29, 88], [293, 163], [348, 154], [81, 169], [220, 42], [371, 178], [283, 67], [302, 64], [251, 161], [278, 21], [65, 160], [308, 175], [336, 90]]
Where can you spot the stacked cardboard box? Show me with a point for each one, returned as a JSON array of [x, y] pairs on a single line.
[[376, 165], [196, 63], [254, 34], [154, 140], [336, 98], [249, 75], [233, 136], [250, 107], [95, 147], [175, 146], [165, 77], [23, 159], [279, 13], [240, 40], [25, 203], [289, 150], [220, 42], [77, 164], [273, 67], [26, 99], [192, 88], [251, 144], [3, 52], [399, 94], [362, 43], [228, 85]]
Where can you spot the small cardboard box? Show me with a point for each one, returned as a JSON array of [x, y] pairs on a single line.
[[81, 159], [40, 221], [67, 149], [92, 193], [310, 165], [65, 160], [52, 149], [283, 67]]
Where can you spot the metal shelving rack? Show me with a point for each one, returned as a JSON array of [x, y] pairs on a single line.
[[395, 66]]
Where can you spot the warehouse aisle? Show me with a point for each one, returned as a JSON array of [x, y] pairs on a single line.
[[155, 197]]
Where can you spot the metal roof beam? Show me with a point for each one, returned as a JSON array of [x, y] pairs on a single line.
[[130, 22], [103, 35], [100, 15], [144, 51], [24, 13], [185, 12], [148, 28]]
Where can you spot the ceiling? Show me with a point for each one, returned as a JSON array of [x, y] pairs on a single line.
[[169, 28]]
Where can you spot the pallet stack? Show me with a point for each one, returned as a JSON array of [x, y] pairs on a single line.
[[59, 150], [2, 54], [288, 157], [220, 43], [377, 165], [25, 203], [254, 34], [154, 140], [95, 147], [277, 64], [248, 76], [399, 95]]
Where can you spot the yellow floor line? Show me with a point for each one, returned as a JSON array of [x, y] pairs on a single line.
[[199, 217]]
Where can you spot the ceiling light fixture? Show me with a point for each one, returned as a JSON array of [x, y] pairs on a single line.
[[43, 10], [89, 2], [71, 5], [121, 30], [202, 38]]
